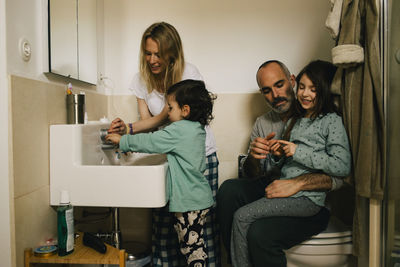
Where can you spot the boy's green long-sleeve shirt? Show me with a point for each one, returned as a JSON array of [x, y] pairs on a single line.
[[184, 143]]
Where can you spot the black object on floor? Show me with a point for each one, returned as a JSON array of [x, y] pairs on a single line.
[[94, 242]]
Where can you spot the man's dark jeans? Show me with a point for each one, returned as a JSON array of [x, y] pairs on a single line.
[[267, 237]]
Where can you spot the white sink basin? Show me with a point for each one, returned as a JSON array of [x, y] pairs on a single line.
[[102, 178]]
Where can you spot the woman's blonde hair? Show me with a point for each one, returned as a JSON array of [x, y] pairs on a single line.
[[171, 52]]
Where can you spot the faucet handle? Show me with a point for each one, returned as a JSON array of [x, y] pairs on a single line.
[[103, 134]]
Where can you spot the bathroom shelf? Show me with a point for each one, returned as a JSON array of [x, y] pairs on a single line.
[[81, 255]]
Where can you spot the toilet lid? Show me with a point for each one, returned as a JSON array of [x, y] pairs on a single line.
[[328, 241], [333, 234], [336, 228]]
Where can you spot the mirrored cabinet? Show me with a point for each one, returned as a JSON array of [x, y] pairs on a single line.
[[73, 39]]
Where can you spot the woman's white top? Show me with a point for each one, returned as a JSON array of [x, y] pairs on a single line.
[[156, 101]]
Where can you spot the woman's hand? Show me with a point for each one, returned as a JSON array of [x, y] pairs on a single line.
[[113, 138], [288, 148], [118, 126]]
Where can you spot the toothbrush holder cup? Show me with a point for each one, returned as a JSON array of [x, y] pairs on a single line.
[[75, 108]]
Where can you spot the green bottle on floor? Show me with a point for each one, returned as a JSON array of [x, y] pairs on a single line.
[[65, 225]]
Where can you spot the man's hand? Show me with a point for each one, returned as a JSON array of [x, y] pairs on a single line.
[[283, 188], [260, 147], [305, 182]]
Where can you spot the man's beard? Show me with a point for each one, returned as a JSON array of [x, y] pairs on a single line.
[[282, 108]]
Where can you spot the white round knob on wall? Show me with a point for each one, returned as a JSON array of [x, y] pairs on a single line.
[[25, 49]]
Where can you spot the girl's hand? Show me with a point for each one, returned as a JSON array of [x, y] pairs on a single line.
[[113, 138], [276, 148], [117, 126], [289, 148]]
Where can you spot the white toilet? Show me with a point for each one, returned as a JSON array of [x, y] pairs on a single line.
[[331, 248]]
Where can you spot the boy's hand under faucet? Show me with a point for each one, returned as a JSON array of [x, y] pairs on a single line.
[[113, 138]]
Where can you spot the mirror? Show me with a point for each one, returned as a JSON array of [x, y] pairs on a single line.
[[73, 39]]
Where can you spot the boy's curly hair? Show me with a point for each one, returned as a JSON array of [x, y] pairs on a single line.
[[194, 94]]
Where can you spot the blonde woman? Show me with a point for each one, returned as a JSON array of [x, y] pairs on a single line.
[[162, 64]]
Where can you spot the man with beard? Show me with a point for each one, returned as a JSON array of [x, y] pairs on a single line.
[[268, 237]]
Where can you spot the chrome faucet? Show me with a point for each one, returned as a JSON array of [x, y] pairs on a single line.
[[105, 145]]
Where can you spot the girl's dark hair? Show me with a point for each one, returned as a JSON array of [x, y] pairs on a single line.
[[321, 74], [194, 94]]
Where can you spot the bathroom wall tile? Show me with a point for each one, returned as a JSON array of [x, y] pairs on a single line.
[[235, 115], [227, 170], [96, 106], [135, 225], [35, 221], [56, 104], [124, 107], [30, 135]]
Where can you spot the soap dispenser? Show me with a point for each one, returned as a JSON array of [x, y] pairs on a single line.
[[65, 225]]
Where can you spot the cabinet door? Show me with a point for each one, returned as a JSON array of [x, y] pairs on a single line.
[[73, 39]]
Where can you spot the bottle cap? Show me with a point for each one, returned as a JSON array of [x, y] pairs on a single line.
[[64, 197]]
